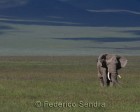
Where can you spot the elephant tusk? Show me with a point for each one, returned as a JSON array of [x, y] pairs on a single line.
[[119, 76], [108, 76]]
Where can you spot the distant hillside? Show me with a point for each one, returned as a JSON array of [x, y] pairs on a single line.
[[106, 4], [74, 12]]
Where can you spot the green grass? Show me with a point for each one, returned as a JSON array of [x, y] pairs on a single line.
[[26, 80]]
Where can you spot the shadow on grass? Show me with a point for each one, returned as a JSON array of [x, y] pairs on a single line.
[[4, 28], [117, 48], [103, 39]]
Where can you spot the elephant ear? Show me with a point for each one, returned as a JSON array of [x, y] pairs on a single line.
[[102, 60], [122, 61]]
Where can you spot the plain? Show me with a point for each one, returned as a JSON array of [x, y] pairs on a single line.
[[27, 83]]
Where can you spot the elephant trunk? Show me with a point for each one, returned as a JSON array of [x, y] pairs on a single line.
[[112, 69]]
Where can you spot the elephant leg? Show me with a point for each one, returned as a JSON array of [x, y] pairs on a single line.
[[108, 82], [101, 81], [114, 80], [102, 76], [105, 79]]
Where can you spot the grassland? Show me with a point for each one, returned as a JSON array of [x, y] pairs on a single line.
[[25, 81]]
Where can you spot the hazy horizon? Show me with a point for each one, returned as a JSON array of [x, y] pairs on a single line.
[[65, 27]]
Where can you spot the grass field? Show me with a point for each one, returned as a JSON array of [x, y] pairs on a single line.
[[65, 84]]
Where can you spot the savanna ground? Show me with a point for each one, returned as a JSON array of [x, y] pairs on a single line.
[[27, 83]]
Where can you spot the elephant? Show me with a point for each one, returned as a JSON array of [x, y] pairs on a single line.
[[108, 66]]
